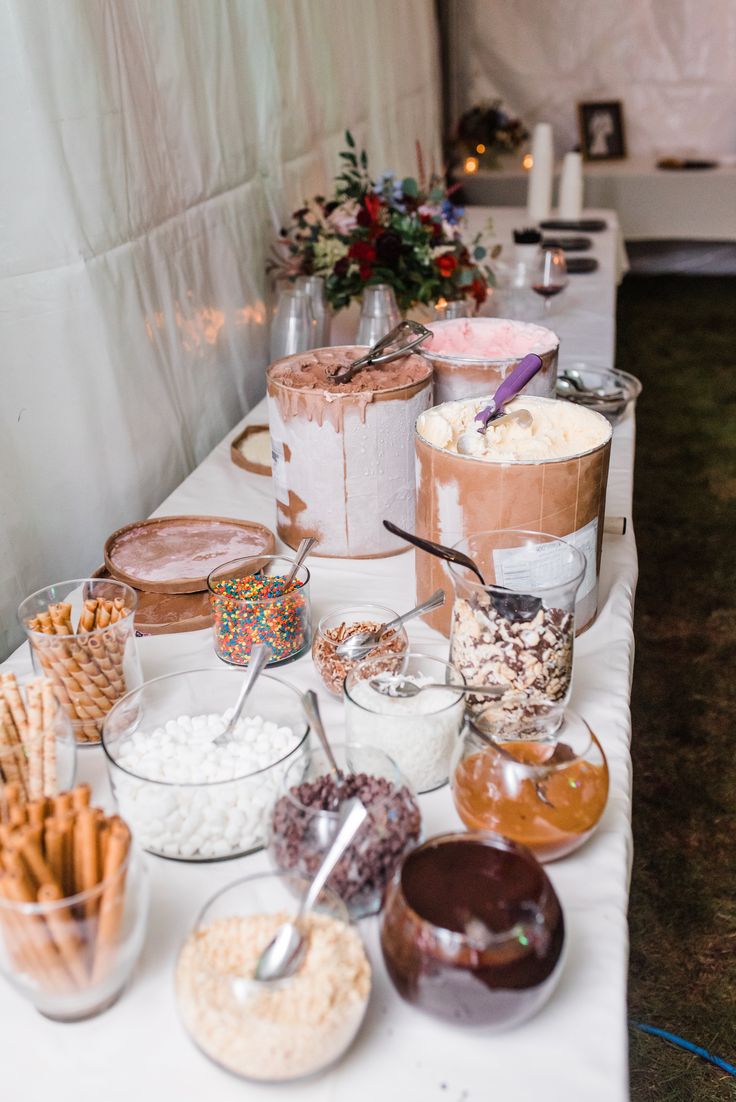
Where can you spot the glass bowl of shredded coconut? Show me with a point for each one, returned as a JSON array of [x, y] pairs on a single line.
[[271, 1032]]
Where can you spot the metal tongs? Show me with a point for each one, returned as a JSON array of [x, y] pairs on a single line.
[[404, 338]]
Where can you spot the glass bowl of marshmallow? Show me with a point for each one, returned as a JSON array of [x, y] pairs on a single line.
[[190, 791]]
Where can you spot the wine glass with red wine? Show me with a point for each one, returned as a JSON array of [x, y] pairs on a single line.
[[549, 276]]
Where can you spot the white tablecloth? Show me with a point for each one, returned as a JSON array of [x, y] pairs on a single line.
[[652, 203], [575, 1050]]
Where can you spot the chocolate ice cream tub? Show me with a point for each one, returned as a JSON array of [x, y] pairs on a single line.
[[472, 356], [342, 453], [549, 476]]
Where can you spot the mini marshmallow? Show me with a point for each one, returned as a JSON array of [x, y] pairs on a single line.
[[187, 798]]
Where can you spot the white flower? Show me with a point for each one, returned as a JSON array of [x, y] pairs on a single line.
[[343, 219]]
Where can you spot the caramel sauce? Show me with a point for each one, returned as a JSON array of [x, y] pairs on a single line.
[[491, 794]]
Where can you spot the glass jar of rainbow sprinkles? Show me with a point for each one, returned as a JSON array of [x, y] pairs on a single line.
[[251, 604]]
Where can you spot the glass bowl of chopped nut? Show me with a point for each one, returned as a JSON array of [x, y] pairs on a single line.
[[272, 1032], [342, 624]]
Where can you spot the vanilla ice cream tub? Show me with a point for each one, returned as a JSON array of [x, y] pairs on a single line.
[[547, 474], [342, 456], [472, 356]]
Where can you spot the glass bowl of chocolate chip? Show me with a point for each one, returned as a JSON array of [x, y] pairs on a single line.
[[305, 821]]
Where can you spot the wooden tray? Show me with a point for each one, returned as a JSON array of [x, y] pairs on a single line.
[[168, 613], [239, 459], [176, 554]]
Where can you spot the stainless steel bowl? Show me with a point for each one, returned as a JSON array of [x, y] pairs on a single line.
[[604, 390]]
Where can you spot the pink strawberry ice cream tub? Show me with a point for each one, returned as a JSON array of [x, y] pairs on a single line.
[[472, 356]]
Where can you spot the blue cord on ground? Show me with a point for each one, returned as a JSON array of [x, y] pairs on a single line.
[[682, 1043]]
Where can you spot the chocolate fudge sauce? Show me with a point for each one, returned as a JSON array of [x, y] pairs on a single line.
[[473, 930]]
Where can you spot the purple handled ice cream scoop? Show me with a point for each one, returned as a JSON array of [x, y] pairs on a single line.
[[523, 373]]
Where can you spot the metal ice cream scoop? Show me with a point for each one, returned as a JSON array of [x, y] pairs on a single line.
[[401, 340], [514, 382]]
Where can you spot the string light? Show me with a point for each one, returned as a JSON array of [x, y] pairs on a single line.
[[471, 164], [527, 161], [480, 148]]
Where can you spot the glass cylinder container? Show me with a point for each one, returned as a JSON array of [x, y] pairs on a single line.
[[314, 285], [72, 957], [338, 626], [547, 795], [35, 764], [418, 732], [293, 328], [516, 631], [379, 313], [89, 669], [271, 1032], [472, 931], [184, 797], [305, 821], [444, 310], [250, 605]]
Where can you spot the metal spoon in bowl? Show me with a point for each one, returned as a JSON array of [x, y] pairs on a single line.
[[404, 689], [449, 554], [515, 606], [259, 657], [357, 646], [285, 952], [302, 551], [310, 706]]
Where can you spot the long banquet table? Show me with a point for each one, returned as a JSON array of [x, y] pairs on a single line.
[[575, 1049]]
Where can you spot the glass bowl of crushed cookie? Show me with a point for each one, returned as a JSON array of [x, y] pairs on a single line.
[[549, 795], [341, 624], [472, 931], [305, 822], [271, 1032]]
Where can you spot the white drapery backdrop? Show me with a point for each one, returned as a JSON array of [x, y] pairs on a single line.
[[671, 62], [149, 151]]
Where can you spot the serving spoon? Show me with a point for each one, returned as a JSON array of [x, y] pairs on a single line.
[[515, 606], [310, 706], [302, 551], [403, 689], [364, 641], [285, 952], [260, 656]]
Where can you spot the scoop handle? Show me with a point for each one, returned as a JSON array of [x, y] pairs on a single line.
[[517, 380], [523, 373]]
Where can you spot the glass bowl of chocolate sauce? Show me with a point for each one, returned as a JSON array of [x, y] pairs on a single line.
[[472, 931]]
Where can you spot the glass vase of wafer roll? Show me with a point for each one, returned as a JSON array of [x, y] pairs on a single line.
[[38, 751], [73, 904], [82, 638]]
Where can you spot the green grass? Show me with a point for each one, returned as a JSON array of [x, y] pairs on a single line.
[[678, 334]]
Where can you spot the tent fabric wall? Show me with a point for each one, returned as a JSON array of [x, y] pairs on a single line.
[[671, 62], [150, 150]]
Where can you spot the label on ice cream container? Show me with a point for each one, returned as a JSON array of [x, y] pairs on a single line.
[[540, 564], [278, 471]]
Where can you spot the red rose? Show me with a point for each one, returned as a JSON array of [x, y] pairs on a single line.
[[365, 271], [479, 291], [362, 251], [372, 205], [446, 264]]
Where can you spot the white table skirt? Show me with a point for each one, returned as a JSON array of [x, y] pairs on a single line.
[[575, 1050]]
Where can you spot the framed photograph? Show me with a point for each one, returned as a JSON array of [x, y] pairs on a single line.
[[601, 131]]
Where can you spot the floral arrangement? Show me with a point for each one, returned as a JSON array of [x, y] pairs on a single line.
[[486, 131], [402, 232]]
